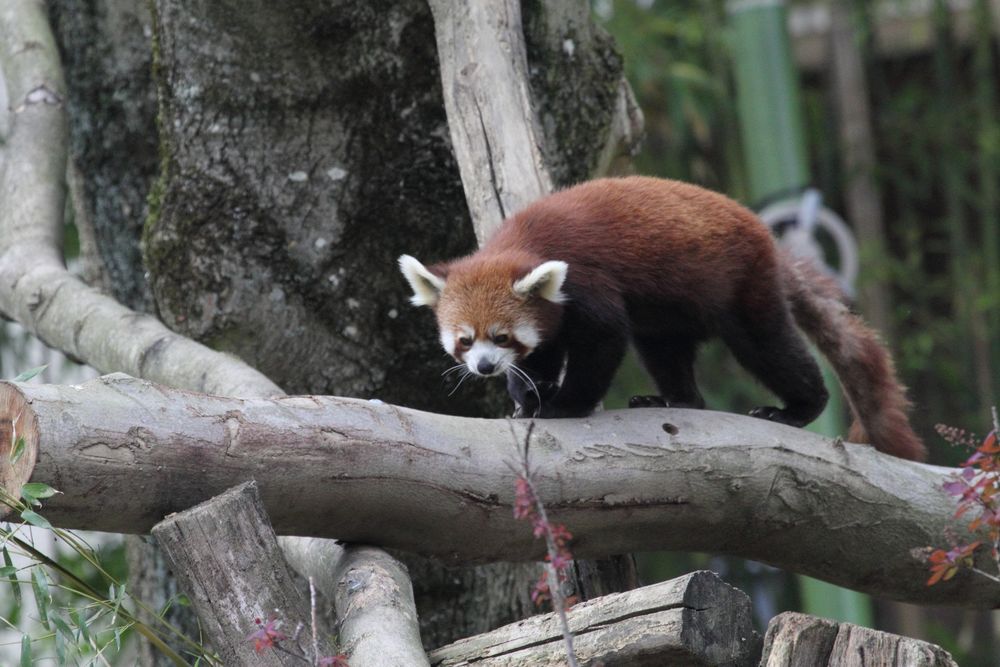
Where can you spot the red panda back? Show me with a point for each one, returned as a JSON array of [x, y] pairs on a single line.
[[642, 236]]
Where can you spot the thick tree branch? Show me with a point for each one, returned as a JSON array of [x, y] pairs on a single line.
[[379, 474], [494, 129]]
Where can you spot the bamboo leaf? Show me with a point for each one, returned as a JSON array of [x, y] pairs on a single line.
[[60, 649], [14, 584], [63, 628], [81, 624], [27, 375], [40, 586], [35, 519], [36, 490], [25, 651], [17, 451]]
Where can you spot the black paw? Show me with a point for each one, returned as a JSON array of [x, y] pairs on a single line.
[[647, 402], [660, 402], [771, 413]]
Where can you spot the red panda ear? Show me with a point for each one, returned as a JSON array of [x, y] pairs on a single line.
[[545, 280], [426, 285]]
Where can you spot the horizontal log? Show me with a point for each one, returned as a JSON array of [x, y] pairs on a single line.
[[697, 619], [127, 452]]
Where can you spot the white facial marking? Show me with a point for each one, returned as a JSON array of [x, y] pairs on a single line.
[[484, 351], [448, 341], [450, 335], [527, 335]]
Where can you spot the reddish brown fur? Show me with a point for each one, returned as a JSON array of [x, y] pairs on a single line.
[[862, 363], [478, 293], [668, 262]]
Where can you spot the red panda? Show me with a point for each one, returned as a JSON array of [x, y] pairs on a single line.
[[555, 296]]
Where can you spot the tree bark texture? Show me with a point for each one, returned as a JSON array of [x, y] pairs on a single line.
[[494, 130], [621, 481], [798, 640], [696, 619], [105, 49], [227, 559], [372, 597]]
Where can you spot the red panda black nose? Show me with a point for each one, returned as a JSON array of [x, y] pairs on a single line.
[[485, 366]]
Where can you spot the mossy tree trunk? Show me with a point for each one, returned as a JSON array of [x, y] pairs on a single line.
[[297, 148]]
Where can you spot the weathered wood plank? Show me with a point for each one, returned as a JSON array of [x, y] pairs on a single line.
[[696, 619]]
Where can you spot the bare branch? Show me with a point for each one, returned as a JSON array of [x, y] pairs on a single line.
[[379, 474], [372, 596]]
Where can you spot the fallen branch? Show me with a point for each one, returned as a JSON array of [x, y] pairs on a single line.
[[125, 452], [372, 597], [696, 619]]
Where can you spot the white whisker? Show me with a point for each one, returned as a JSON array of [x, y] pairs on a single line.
[[460, 381], [453, 369], [521, 373]]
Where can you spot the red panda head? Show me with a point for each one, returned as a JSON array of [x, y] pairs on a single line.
[[492, 310]]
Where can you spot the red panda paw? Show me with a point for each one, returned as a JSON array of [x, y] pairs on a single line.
[[771, 413], [660, 402], [647, 402]]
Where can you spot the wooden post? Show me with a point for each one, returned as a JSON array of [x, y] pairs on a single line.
[[227, 560], [798, 640]]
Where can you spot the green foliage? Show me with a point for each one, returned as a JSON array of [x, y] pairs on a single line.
[[76, 621]]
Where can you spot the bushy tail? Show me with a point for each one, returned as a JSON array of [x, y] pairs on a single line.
[[861, 362]]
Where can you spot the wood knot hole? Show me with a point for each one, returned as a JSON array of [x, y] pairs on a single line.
[[671, 429]]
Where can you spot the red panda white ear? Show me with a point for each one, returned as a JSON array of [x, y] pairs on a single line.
[[425, 285], [545, 280]]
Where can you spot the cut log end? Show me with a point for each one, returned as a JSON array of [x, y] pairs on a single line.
[[18, 442]]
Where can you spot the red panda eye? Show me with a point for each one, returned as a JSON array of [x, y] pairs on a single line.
[[501, 339], [465, 341]]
